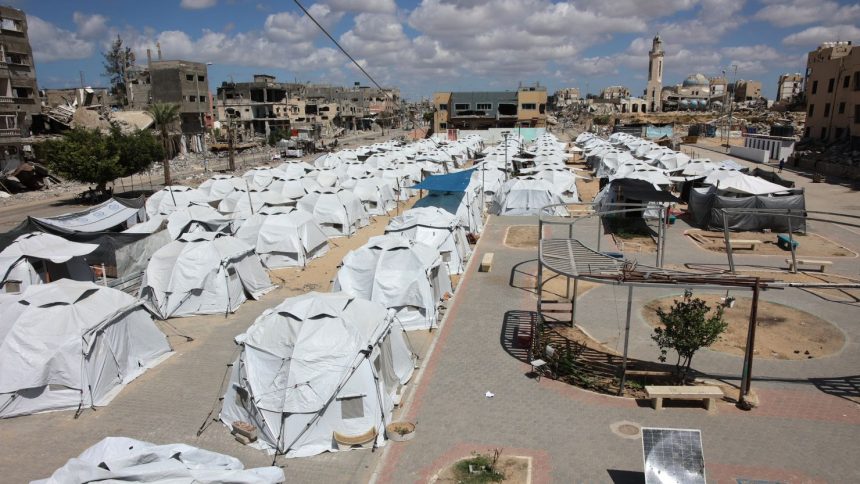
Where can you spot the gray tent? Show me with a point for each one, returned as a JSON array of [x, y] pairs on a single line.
[[706, 203]]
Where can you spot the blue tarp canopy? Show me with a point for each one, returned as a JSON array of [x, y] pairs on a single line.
[[452, 182]]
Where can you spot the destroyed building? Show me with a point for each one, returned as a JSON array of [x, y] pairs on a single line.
[[258, 106], [18, 88], [833, 91], [525, 107], [789, 87]]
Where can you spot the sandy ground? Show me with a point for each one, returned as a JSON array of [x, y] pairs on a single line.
[[809, 245], [515, 469], [782, 333], [522, 237], [638, 243]]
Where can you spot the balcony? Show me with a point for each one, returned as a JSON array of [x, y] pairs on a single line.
[[16, 100], [10, 132]]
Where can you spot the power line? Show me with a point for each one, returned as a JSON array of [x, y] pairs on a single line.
[[339, 46]]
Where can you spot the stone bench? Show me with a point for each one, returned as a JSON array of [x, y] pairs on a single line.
[[752, 243], [709, 394], [822, 264], [486, 262]]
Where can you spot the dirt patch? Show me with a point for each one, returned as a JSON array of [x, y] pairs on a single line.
[[637, 243], [809, 245], [522, 237], [515, 469], [783, 333], [587, 189]]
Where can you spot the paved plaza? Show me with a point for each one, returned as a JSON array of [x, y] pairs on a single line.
[[805, 429]]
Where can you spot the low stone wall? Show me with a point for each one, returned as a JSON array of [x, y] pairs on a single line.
[[829, 169]]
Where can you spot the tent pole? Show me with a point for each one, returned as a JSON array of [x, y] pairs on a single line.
[[728, 242], [791, 246], [626, 340], [599, 230]]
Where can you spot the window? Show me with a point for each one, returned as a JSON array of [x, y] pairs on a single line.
[[189, 77], [823, 132], [842, 108], [483, 106], [857, 114], [826, 109], [443, 107], [443, 125], [814, 87], [838, 132], [542, 108], [846, 81], [857, 81], [635, 108], [806, 132], [462, 106], [506, 109], [830, 84], [200, 78], [8, 121], [811, 110], [529, 106], [352, 407]]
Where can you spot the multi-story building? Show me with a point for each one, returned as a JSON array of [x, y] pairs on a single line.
[[789, 87], [567, 96], [654, 89], [747, 90], [525, 107], [180, 82], [833, 92], [258, 106], [18, 88], [614, 92]]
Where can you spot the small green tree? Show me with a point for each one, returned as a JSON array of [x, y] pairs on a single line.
[[164, 115], [686, 329], [136, 150], [275, 135], [83, 155]]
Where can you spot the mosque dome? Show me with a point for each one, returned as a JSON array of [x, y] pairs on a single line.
[[696, 80]]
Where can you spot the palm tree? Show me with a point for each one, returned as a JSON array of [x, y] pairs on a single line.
[[164, 114]]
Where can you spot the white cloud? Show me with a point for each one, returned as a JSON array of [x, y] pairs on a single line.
[[362, 6], [90, 26], [811, 37], [51, 43], [197, 4], [800, 12]]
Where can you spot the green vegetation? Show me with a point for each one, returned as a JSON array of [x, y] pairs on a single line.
[[165, 114], [479, 469], [277, 134], [117, 60], [90, 156], [627, 228], [687, 329]]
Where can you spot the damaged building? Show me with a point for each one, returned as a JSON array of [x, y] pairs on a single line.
[[18, 89], [525, 107]]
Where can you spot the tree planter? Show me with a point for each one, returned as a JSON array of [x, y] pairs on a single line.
[[400, 431]]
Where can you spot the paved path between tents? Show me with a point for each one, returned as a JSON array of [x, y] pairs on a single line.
[[798, 433]]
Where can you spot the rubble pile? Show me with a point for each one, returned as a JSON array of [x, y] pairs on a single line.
[[838, 152]]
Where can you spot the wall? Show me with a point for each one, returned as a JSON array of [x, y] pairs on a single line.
[[538, 98], [751, 154]]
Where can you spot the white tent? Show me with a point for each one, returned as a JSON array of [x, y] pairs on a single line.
[[198, 218], [120, 459], [376, 194], [436, 228], [219, 186], [169, 199], [71, 344], [39, 257], [465, 205], [339, 213], [242, 203], [202, 273], [400, 274], [736, 182], [526, 196], [316, 367], [285, 239]]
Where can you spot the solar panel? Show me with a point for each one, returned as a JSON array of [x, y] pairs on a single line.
[[673, 456]]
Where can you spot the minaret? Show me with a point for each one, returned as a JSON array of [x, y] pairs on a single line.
[[655, 76]]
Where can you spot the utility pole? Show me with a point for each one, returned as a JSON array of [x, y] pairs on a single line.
[[731, 106], [231, 153]]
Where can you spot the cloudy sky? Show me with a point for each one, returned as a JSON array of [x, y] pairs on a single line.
[[424, 46]]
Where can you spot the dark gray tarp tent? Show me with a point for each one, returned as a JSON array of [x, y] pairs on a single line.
[[127, 252], [706, 203]]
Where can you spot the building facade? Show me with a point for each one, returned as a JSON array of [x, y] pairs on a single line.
[[654, 89], [789, 87], [833, 92], [747, 91], [18, 89], [525, 107], [566, 97], [612, 93]]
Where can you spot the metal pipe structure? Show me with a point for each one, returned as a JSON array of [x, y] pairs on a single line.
[[626, 340], [746, 374]]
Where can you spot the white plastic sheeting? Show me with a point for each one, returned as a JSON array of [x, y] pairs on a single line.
[[35, 256], [197, 218], [169, 199], [284, 238], [737, 182], [436, 228], [120, 459], [72, 344], [400, 274], [202, 273], [316, 364], [376, 194], [525, 196], [465, 205], [219, 186]]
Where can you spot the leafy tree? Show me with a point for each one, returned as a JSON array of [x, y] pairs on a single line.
[[686, 329], [89, 156], [277, 134], [165, 114], [117, 60]]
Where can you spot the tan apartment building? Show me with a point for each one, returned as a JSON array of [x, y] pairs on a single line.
[[747, 90], [833, 92], [18, 88], [789, 87], [525, 107]]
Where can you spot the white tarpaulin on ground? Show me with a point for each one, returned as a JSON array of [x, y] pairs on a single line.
[[202, 273], [169, 199], [100, 218], [436, 228], [339, 213], [400, 274], [317, 365], [286, 239], [120, 459], [33, 257], [71, 344]]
